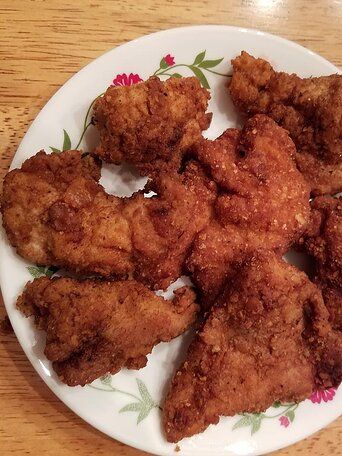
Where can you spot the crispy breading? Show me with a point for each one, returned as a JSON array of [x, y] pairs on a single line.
[[164, 227], [324, 243], [267, 339], [310, 109], [263, 201], [94, 328], [28, 193], [63, 217], [151, 123]]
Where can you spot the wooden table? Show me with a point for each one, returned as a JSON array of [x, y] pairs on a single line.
[[43, 43]]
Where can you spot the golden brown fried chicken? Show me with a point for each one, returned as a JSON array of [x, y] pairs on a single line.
[[310, 109], [28, 194], [324, 243], [263, 201], [93, 328], [164, 227], [267, 339], [151, 123], [56, 213]]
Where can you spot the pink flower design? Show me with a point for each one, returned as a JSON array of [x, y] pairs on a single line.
[[126, 80], [284, 421], [169, 59], [326, 395]]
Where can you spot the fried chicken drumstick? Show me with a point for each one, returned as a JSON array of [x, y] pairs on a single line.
[[56, 213], [263, 201], [151, 123], [93, 328], [324, 243], [310, 109], [267, 339]]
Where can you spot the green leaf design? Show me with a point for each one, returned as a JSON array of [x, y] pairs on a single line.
[[291, 415], [35, 271], [210, 63], [256, 423], [143, 405], [106, 379], [144, 413], [66, 141], [176, 75], [255, 419], [199, 58], [134, 407], [145, 395], [276, 404], [55, 150], [41, 271], [200, 75], [243, 422], [163, 64]]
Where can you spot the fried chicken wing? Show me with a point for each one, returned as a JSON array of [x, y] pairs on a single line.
[[93, 327], [56, 213], [324, 243], [267, 339], [310, 109], [263, 201], [151, 123]]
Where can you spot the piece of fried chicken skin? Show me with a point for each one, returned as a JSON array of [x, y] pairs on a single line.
[[266, 339], [56, 213], [263, 201], [151, 124], [310, 109], [95, 327], [324, 243]]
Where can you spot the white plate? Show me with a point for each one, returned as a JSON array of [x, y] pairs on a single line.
[[66, 111]]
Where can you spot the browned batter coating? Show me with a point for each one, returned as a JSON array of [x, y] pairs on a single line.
[[263, 201], [94, 328], [151, 123], [310, 109], [56, 213], [267, 339], [324, 243], [28, 194]]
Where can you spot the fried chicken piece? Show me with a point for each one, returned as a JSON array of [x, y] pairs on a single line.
[[324, 243], [263, 201], [310, 109], [164, 227], [28, 194], [151, 123], [267, 339], [56, 213], [93, 327]]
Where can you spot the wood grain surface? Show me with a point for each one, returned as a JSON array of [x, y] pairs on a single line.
[[42, 44]]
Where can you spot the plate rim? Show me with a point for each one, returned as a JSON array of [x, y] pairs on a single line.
[[3, 239]]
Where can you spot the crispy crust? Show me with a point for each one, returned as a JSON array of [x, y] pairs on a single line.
[[310, 109], [263, 201], [266, 339], [152, 123], [324, 243], [56, 213], [94, 328]]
